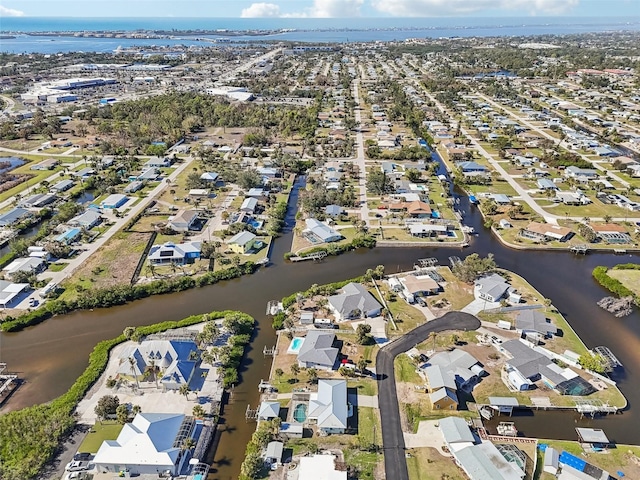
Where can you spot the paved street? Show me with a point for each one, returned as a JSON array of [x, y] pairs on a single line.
[[360, 157], [395, 463]]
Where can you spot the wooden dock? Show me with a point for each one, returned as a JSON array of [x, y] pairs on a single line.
[[314, 256], [579, 249]]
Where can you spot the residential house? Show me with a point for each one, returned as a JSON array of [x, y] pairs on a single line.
[[456, 369], [419, 286], [318, 350], [134, 186], [427, 230], [532, 366], [38, 200], [534, 323], [87, 220], [611, 233], [485, 461], [546, 184], [209, 177], [157, 162], [268, 410], [24, 265], [242, 242], [63, 186], [173, 361], [573, 198], [14, 216], [500, 198], [544, 232], [84, 173], [471, 167], [492, 288], [172, 254], [328, 407], [355, 301], [249, 205], [318, 232], [48, 164], [444, 399], [114, 201], [151, 443], [273, 453], [456, 433], [148, 175], [69, 236], [183, 221], [9, 291], [333, 210], [581, 174]]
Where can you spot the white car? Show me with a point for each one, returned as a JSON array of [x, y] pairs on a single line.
[[76, 466], [72, 476]]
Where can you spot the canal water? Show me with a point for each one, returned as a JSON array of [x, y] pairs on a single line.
[[51, 355]]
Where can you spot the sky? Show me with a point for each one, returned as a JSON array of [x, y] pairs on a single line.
[[318, 8]]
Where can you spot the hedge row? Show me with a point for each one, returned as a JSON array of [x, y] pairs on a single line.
[[611, 284], [327, 289], [121, 294], [627, 266], [30, 437]]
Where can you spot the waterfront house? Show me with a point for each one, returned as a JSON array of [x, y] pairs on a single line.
[[419, 286], [9, 291], [241, 242], [84, 173], [486, 461], [456, 433], [318, 232], [172, 361], [273, 453], [14, 216], [544, 232], [62, 186], [456, 369], [468, 167], [183, 221], [48, 164], [176, 254], [355, 301], [151, 443], [24, 265], [611, 233], [328, 407], [268, 410], [492, 288], [319, 350], [427, 230], [114, 201], [86, 220], [38, 200], [534, 323]]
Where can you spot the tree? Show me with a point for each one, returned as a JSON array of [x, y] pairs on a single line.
[[312, 373], [132, 366], [473, 266], [188, 443], [128, 332], [184, 390], [433, 336], [413, 175], [362, 364], [595, 363], [295, 370], [106, 406], [122, 414], [279, 372], [363, 334], [198, 411], [136, 409], [454, 339], [515, 211], [378, 183], [248, 179], [251, 466]]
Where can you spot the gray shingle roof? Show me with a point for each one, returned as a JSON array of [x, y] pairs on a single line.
[[535, 321], [318, 348], [354, 297]]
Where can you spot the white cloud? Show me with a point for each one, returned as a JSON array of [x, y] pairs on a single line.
[[330, 9], [261, 10], [441, 8], [10, 12]]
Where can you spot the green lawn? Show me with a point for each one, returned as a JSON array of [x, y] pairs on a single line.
[[57, 267], [98, 433], [405, 370], [629, 278]]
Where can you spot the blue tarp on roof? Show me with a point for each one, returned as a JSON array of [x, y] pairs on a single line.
[[573, 461]]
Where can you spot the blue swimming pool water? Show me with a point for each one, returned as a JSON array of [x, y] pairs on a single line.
[[296, 343], [300, 413]]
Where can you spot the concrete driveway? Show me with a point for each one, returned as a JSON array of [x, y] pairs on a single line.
[[428, 435]]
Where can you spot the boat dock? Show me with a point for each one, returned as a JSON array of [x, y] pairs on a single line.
[[579, 249], [608, 356], [8, 383], [314, 256]]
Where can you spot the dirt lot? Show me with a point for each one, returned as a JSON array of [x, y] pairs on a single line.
[[114, 263]]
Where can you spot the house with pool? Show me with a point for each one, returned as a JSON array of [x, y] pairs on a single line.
[[317, 350], [328, 408]]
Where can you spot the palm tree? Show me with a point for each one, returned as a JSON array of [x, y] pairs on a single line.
[[433, 336], [362, 364], [188, 443], [132, 365], [184, 390], [198, 411]]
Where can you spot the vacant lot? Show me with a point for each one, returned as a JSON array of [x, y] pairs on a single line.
[[629, 278]]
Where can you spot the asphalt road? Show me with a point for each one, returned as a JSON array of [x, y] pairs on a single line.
[[395, 463]]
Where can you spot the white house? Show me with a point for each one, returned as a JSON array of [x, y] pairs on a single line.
[[328, 408], [355, 301], [320, 467], [148, 445], [319, 232], [183, 221]]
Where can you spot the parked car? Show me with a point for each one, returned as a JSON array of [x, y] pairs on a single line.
[[76, 466]]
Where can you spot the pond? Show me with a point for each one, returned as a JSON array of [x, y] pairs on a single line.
[[12, 162]]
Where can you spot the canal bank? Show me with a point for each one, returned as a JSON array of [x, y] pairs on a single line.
[[50, 356]]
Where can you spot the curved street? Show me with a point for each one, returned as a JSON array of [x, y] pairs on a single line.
[[395, 463]]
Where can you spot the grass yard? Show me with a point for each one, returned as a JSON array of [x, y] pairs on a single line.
[[57, 267], [405, 370], [428, 464], [98, 433], [629, 278], [406, 317]]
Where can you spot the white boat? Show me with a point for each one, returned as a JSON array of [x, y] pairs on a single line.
[[507, 429]]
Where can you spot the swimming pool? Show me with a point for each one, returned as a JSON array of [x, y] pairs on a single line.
[[300, 413], [296, 343]]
